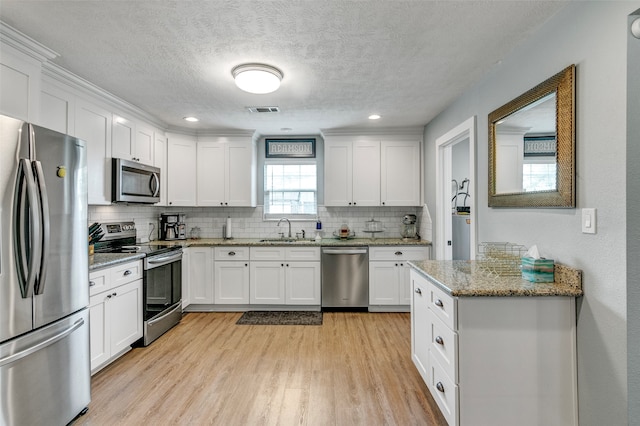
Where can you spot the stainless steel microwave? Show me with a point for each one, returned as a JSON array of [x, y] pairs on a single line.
[[134, 182]]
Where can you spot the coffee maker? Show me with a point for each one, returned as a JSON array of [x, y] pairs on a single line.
[[408, 229], [172, 226]]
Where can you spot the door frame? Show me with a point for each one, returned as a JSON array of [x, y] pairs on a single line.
[[444, 144]]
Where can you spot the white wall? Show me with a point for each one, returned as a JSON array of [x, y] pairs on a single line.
[[592, 35]]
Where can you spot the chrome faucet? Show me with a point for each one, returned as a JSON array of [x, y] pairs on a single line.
[[289, 222]]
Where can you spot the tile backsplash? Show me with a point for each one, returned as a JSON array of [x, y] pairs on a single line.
[[248, 222]]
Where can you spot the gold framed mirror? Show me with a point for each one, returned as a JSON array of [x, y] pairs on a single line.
[[532, 147]]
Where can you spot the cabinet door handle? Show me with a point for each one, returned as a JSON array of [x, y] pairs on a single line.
[[418, 291], [440, 387], [439, 340], [232, 253], [439, 303], [127, 272], [92, 283], [114, 294]]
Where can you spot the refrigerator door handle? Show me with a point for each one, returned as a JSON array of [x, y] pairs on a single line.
[[28, 253], [35, 348], [45, 227]]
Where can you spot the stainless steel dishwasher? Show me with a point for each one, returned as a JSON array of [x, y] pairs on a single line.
[[345, 278]]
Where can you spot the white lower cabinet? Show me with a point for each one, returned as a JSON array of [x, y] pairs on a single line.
[[200, 275], [496, 360], [285, 275], [389, 283], [231, 275], [115, 312]]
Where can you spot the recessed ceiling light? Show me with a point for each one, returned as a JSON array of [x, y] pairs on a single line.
[[374, 117], [257, 78], [191, 119]]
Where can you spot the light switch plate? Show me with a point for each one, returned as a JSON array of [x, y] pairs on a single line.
[[589, 221]]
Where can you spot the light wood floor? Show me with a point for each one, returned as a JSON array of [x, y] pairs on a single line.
[[354, 369]]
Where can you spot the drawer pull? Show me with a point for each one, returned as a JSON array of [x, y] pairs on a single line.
[[440, 387], [439, 303], [92, 283], [418, 291], [398, 253], [127, 272], [232, 253], [439, 340]]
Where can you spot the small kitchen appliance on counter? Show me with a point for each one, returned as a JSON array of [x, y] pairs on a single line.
[[172, 226], [408, 229]]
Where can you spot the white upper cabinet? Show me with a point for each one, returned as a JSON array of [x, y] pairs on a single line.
[[160, 161], [20, 79], [144, 144], [226, 172], [211, 174], [352, 173], [181, 170], [131, 140], [400, 173], [93, 125], [338, 173], [372, 171], [57, 108]]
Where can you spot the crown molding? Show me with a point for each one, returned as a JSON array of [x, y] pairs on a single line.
[[416, 131], [25, 44]]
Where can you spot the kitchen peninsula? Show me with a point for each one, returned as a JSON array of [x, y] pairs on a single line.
[[495, 349]]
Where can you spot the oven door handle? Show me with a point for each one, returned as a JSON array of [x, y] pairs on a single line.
[[163, 260], [176, 307]]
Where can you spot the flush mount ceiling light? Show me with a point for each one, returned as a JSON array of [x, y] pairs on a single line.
[[257, 78]]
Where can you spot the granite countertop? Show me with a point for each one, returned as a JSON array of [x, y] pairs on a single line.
[[211, 242], [463, 278], [103, 260]]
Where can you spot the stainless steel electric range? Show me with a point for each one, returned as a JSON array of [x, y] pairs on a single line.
[[162, 282]]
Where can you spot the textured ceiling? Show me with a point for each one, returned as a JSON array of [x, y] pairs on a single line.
[[342, 60]]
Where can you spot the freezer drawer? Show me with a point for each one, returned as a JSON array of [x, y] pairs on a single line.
[[44, 375]]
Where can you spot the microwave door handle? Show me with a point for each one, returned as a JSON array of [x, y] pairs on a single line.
[[27, 253], [45, 225], [155, 180]]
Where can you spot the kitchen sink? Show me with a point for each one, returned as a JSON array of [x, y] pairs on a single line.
[[285, 240]]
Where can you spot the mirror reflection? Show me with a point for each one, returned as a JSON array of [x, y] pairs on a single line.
[[526, 148]]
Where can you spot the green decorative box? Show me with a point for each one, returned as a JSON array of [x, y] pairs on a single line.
[[537, 270]]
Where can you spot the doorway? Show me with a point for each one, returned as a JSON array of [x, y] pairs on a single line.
[[456, 211]]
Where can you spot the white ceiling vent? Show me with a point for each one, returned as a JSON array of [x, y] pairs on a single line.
[[264, 109]]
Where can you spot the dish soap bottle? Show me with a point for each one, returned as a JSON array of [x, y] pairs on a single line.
[[318, 231]]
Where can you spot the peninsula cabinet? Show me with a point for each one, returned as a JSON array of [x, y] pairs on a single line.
[[495, 360], [115, 312], [226, 172]]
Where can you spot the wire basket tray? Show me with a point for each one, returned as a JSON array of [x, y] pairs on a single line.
[[501, 258]]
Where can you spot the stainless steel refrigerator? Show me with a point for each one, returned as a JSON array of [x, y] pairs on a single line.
[[44, 292]]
